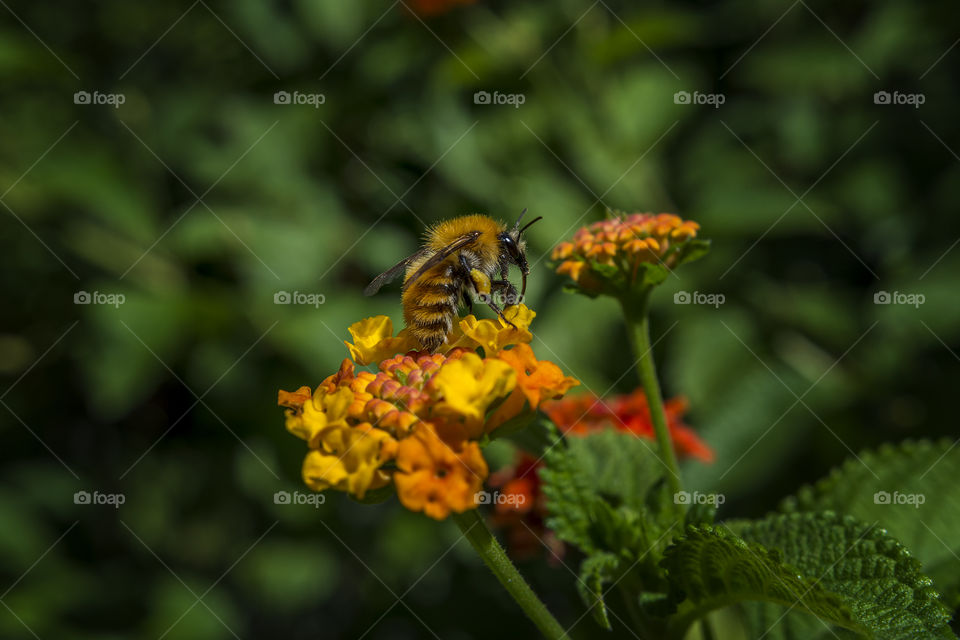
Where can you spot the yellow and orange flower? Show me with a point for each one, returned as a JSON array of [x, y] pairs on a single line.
[[437, 477], [416, 421], [605, 257], [373, 338]]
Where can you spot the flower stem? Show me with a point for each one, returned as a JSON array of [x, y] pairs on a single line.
[[486, 545], [637, 316]]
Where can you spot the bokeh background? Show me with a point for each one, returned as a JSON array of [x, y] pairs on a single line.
[[199, 198]]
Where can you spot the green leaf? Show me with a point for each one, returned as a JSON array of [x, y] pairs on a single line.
[[535, 438], [604, 495], [876, 576], [514, 425], [650, 274], [929, 529], [596, 571], [692, 251], [710, 567], [596, 487]]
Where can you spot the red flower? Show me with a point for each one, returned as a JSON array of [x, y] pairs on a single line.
[[582, 413]]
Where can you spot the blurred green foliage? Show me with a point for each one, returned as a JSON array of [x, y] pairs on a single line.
[[199, 198]]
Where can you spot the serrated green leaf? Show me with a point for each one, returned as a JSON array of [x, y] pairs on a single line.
[[595, 572], [876, 576], [929, 529], [604, 496], [596, 487], [710, 567]]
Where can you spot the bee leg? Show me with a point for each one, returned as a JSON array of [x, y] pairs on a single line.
[[483, 286], [512, 297], [493, 305], [499, 312], [465, 274]]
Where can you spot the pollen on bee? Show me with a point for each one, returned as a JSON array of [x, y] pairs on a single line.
[[481, 281]]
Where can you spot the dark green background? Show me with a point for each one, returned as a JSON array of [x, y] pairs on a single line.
[[170, 398]]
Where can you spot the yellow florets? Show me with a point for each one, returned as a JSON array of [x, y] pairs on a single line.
[[417, 421]]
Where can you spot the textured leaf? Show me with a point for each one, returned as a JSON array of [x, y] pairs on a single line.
[[710, 567], [929, 529], [596, 571], [604, 497], [874, 573], [596, 488]]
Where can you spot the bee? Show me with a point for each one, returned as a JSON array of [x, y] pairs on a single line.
[[460, 258]]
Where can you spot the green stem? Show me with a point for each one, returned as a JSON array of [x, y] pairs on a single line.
[[638, 328], [485, 544]]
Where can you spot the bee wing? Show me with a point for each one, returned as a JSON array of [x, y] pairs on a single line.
[[390, 274], [458, 244]]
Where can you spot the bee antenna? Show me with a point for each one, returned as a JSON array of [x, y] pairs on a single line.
[[530, 223], [517, 223]]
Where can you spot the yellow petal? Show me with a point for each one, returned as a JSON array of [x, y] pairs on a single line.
[[349, 459], [367, 335], [494, 335], [324, 410], [469, 385]]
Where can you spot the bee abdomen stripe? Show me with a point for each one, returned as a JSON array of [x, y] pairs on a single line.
[[440, 322], [438, 287], [447, 306], [424, 315]]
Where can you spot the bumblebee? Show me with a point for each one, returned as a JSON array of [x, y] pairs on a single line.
[[460, 259]]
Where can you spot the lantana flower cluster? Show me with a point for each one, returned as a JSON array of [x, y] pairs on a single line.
[[619, 245], [416, 422]]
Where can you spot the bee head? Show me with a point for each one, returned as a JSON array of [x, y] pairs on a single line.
[[513, 247]]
